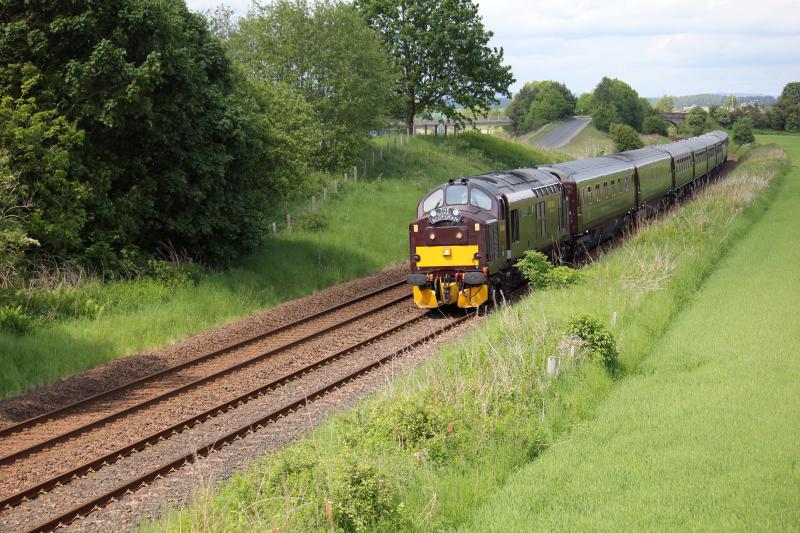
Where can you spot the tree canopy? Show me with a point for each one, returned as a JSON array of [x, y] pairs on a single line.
[[697, 122], [121, 121], [441, 53], [616, 102], [743, 131], [327, 55], [789, 104], [540, 102], [624, 137]]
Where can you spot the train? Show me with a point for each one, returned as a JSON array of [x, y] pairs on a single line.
[[470, 232]]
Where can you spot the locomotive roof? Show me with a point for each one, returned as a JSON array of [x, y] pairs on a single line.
[[589, 168], [514, 180], [642, 156]]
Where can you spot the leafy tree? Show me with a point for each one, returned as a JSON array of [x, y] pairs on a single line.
[[539, 102], [789, 104], [697, 122], [616, 101], [13, 211], [722, 115], [604, 115], [775, 118], [137, 99], [584, 104], [440, 49], [665, 104], [330, 57], [624, 137], [743, 131], [654, 124], [731, 103]]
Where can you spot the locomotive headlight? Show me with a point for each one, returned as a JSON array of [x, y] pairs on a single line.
[[477, 227], [459, 235], [432, 236]]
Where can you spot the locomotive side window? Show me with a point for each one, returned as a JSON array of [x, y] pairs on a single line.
[[434, 200], [480, 200], [457, 195]]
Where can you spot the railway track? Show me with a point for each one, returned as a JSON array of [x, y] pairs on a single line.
[[49, 433]]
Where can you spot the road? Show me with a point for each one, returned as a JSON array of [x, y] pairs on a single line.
[[563, 134]]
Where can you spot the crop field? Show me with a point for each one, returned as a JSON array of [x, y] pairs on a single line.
[[341, 242], [704, 435], [426, 453]]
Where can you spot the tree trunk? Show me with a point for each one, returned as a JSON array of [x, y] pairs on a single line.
[[411, 112]]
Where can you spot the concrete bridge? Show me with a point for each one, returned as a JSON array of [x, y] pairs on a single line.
[[676, 119]]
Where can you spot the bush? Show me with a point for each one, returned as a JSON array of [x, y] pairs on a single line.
[[14, 320], [624, 137], [600, 343], [654, 124], [311, 221], [362, 497], [743, 131], [540, 273]]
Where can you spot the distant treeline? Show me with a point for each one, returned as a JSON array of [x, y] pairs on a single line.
[[708, 100]]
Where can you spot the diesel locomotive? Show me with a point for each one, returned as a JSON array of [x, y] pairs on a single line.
[[470, 232]]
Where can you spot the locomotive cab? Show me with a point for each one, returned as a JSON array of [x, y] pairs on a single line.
[[449, 251]]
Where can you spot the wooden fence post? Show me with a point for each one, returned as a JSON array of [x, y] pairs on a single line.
[[325, 195], [289, 222], [274, 228], [314, 202], [552, 366], [355, 173]]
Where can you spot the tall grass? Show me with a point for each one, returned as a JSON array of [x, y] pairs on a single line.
[[424, 453], [704, 437], [362, 230]]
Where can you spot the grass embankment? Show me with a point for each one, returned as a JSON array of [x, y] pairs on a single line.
[[425, 453], [590, 142], [704, 436], [361, 231]]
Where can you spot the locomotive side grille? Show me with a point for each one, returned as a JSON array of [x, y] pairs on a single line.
[[492, 241]]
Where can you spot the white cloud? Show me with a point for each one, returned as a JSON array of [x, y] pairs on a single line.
[[658, 46]]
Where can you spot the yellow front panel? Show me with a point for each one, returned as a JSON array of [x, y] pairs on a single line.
[[447, 256]]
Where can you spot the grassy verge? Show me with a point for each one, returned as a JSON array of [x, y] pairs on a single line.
[[425, 453], [361, 231], [590, 142], [704, 437]]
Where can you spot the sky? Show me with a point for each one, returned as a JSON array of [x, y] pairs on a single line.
[[676, 47]]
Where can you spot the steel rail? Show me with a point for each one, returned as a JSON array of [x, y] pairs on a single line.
[[19, 426], [128, 449], [88, 506], [52, 441]]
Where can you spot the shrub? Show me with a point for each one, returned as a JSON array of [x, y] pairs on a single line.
[[541, 274], [312, 221], [743, 131], [362, 497], [600, 343], [14, 320], [654, 124], [624, 137]]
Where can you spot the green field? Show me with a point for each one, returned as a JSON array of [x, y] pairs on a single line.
[[362, 231], [704, 437], [590, 142], [426, 452]]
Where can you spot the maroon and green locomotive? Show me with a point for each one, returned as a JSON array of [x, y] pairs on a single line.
[[469, 233]]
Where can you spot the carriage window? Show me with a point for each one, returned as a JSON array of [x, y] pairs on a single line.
[[627, 183], [434, 200], [540, 213], [480, 200], [457, 195], [514, 226], [589, 195]]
